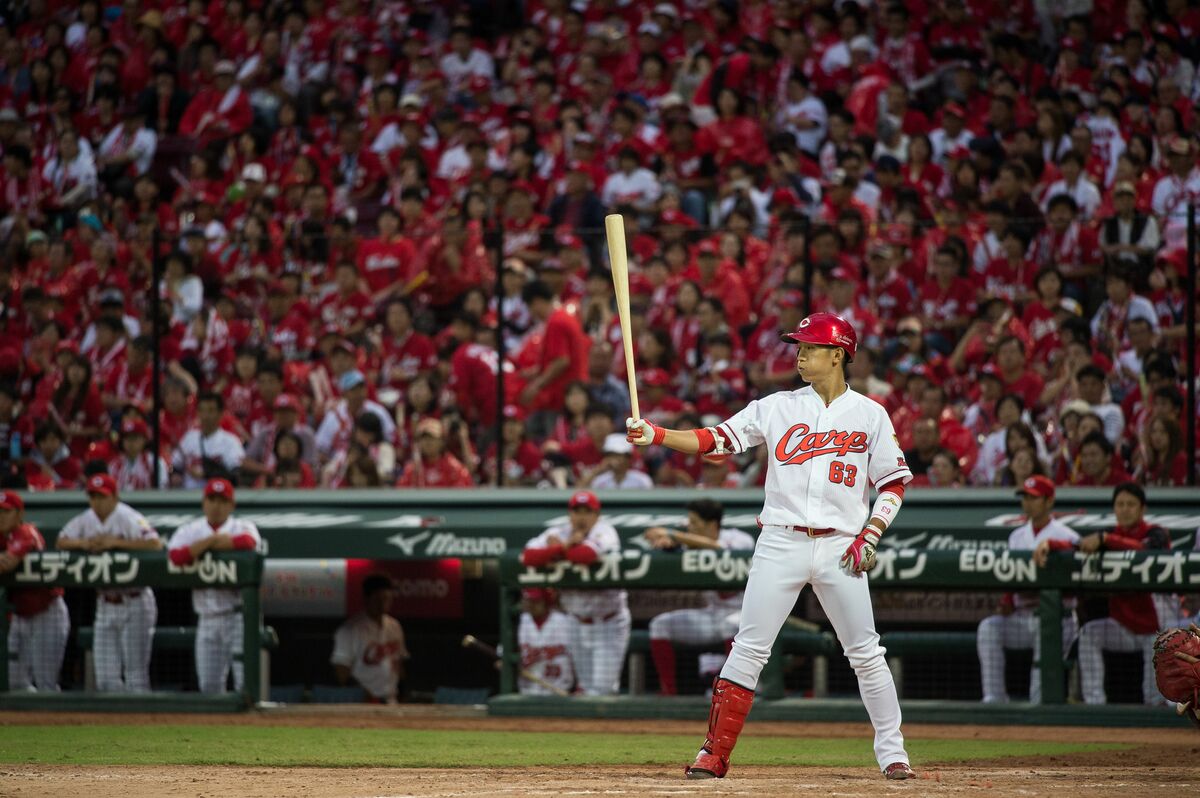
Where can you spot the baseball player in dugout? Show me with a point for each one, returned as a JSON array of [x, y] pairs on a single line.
[[219, 625], [37, 634], [826, 445], [600, 633], [544, 637], [369, 647], [1015, 625], [717, 620], [125, 618]]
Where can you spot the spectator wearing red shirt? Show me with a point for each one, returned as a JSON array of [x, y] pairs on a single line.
[[51, 466], [1098, 465], [1133, 618], [1068, 245], [947, 301], [720, 278], [404, 353], [560, 347], [431, 465], [1161, 459], [388, 262], [348, 308], [455, 261], [219, 112], [522, 461], [1015, 373], [732, 136]]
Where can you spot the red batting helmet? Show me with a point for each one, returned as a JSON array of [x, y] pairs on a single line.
[[826, 329]]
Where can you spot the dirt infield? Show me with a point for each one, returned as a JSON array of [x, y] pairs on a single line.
[[1164, 762]]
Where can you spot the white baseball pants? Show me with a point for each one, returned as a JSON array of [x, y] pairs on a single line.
[[598, 653], [218, 639], [694, 627], [1107, 634], [1020, 630], [124, 638], [784, 562], [38, 643]]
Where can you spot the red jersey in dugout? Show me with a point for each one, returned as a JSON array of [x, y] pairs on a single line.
[[27, 601]]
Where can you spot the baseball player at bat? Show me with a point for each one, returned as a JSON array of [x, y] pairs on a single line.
[[125, 618], [37, 637], [827, 444]]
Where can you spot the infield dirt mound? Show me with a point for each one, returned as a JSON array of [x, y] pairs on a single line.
[[218, 782]]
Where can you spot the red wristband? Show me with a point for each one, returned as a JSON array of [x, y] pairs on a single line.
[[659, 434]]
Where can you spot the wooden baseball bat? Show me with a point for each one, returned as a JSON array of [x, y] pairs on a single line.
[[471, 641], [614, 226]]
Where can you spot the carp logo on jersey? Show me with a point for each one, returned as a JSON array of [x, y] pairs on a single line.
[[799, 444]]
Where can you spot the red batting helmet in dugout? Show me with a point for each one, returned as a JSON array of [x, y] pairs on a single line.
[[826, 329]]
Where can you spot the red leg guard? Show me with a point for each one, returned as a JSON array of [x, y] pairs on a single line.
[[730, 706], [663, 654]]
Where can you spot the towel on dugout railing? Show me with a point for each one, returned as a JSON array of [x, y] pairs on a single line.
[[1177, 668]]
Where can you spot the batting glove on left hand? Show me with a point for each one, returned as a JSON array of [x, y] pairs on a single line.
[[860, 555]]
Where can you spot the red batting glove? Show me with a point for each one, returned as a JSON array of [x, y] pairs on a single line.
[[641, 432], [860, 555]]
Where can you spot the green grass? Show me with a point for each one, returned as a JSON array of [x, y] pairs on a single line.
[[326, 747]]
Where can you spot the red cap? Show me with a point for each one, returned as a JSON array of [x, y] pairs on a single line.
[[219, 487], [785, 196], [676, 216], [135, 426], [102, 484], [656, 378], [10, 500], [566, 239], [514, 413], [921, 370], [1037, 485], [583, 498], [897, 234], [546, 594], [954, 108], [990, 370], [958, 153], [709, 247], [479, 83], [826, 329], [285, 401], [66, 346]]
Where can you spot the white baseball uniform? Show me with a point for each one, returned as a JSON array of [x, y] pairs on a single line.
[[124, 625], [1021, 628], [602, 621], [820, 464], [546, 651], [373, 652], [195, 447], [717, 620], [219, 625], [40, 624]]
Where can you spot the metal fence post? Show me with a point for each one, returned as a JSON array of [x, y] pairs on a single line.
[[1190, 343], [1050, 614], [4, 608], [251, 644], [508, 640]]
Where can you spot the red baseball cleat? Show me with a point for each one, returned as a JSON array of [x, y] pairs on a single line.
[[707, 766], [898, 771]]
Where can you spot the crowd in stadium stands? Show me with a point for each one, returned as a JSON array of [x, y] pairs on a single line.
[[995, 194]]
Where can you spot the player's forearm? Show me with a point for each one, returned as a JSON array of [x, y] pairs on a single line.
[[694, 541], [681, 440], [71, 544]]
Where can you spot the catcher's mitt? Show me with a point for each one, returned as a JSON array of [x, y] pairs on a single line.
[[1177, 669]]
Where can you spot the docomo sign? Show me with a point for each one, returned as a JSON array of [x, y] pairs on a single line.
[[799, 445], [999, 564]]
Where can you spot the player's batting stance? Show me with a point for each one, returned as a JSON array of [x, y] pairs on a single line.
[[827, 444]]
